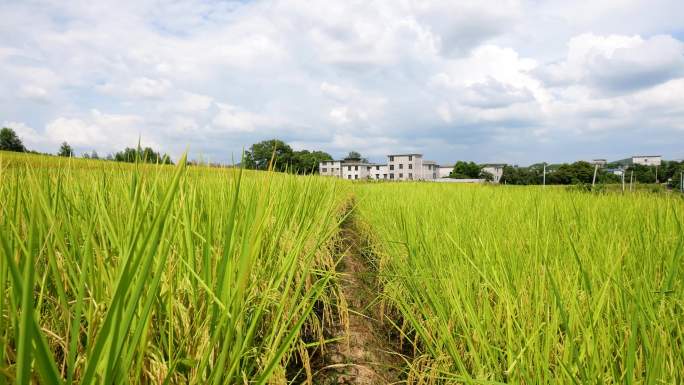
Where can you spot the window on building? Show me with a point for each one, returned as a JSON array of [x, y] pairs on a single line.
[[391, 167], [410, 158], [356, 168], [356, 177], [325, 169], [348, 176], [391, 159], [368, 168], [384, 176], [348, 168], [401, 166], [410, 166], [377, 167], [401, 175], [410, 176], [391, 176], [377, 176]]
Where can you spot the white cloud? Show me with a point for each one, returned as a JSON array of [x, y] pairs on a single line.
[[100, 131], [453, 79], [233, 119], [33, 92], [149, 88], [618, 63]]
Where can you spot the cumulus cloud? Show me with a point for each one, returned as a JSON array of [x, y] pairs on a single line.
[[618, 63], [462, 26], [494, 94], [521, 79]]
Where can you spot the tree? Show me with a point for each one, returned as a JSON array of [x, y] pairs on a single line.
[[353, 155], [520, 175], [65, 150], [146, 155], [9, 141], [575, 173], [486, 176], [675, 169], [260, 155], [306, 162], [642, 174], [465, 170], [284, 158]]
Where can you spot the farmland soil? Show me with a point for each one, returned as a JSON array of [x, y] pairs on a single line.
[[363, 354]]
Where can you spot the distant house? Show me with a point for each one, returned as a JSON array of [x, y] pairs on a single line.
[[496, 169], [445, 170], [615, 171], [647, 160]]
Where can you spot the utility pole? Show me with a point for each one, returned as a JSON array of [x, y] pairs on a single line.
[[623, 182], [544, 175], [631, 177], [593, 180], [681, 181], [656, 174]]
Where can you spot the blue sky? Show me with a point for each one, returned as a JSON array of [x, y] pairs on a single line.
[[506, 81]]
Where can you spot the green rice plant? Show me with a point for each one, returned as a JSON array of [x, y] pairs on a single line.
[[496, 284], [134, 273]]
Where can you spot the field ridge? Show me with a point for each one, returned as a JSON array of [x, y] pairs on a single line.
[[363, 355]]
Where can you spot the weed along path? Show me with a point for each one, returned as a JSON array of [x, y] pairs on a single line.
[[362, 355]]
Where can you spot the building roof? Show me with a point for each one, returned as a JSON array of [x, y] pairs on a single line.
[[446, 166], [429, 162], [646, 156], [405, 154]]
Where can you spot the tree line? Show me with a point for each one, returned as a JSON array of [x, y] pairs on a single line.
[[582, 172], [10, 141], [277, 155]]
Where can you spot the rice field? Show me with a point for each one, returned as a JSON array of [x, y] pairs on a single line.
[[152, 274], [116, 273], [531, 285]]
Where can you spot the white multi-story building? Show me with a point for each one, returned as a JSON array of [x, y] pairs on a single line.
[[411, 167], [398, 167], [330, 168], [647, 160]]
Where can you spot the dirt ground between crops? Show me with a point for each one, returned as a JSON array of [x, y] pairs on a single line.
[[364, 356]]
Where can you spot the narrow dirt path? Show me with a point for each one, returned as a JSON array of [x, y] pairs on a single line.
[[363, 355]]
